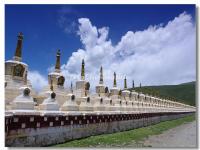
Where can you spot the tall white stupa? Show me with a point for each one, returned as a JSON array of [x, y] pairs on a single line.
[[16, 73], [100, 88], [56, 79], [82, 86]]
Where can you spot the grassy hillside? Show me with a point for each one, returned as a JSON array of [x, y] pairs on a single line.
[[183, 92]]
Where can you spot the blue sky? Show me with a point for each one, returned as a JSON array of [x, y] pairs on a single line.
[[47, 28]]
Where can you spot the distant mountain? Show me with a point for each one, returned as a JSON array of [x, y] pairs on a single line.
[[184, 92]]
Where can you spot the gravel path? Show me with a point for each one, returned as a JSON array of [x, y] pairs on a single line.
[[181, 136]]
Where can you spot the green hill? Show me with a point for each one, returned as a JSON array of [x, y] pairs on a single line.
[[184, 92]]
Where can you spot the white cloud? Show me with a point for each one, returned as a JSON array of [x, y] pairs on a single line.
[[87, 32], [157, 55], [37, 80], [65, 19]]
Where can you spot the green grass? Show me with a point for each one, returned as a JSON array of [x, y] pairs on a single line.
[[184, 93], [126, 137]]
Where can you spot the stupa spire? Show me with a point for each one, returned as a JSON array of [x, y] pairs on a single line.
[[133, 85], [101, 76], [57, 66], [51, 86], [71, 87], [140, 87], [18, 51], [115, 82], [83, 70], [125, 84]]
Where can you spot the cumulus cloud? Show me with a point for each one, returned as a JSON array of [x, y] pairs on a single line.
[[37, 80], [160, 54]]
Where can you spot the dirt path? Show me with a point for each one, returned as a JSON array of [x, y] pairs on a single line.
[[181, 136]]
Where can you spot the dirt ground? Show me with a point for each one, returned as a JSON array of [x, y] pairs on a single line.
[[181, 136]]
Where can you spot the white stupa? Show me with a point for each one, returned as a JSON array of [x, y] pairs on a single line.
[[57, 79], [24, 101], [50, 103], [16, 73]]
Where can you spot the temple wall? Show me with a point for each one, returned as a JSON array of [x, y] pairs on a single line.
[[37, 130]]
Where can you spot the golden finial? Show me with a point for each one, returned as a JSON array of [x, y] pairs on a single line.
[[83, 70], [71, 87], [18, 51], [51, 86], [57, 66], [125, 84], [101, 76], [115, 82], [133, 85]]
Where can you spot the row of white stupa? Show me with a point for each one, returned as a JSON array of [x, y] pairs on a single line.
[[138, 103], [56, 98]]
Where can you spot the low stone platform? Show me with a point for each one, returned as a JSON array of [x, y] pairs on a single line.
[[47, 129]]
